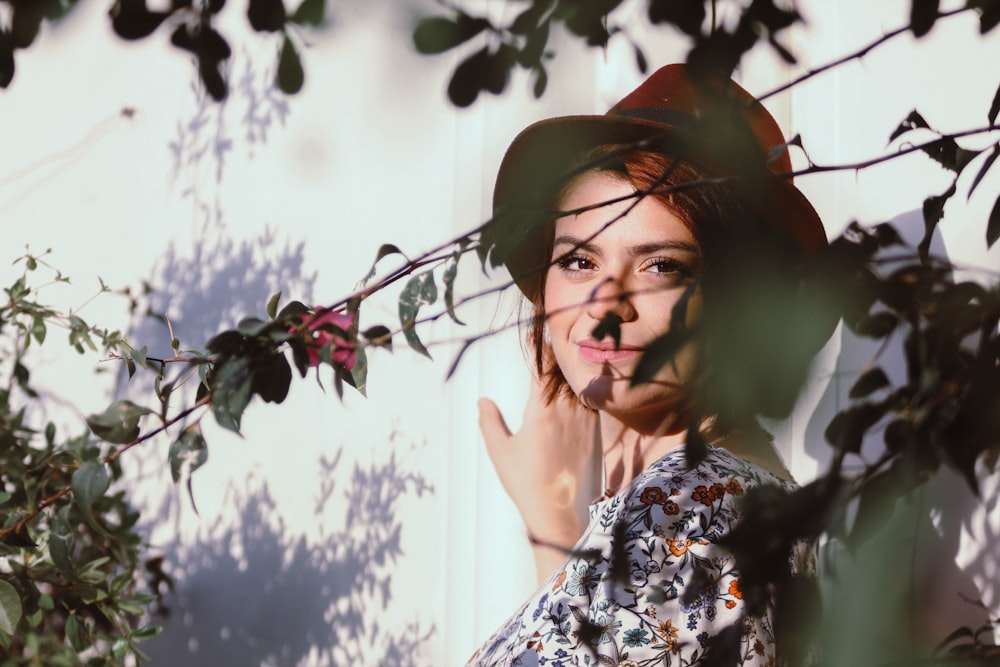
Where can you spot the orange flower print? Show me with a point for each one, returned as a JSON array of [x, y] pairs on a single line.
[[758, 647], [733, 487], [535, 642], [734, 589], [560, 580], [669, 634], [703, 495], [671, 508], [730, 604], [679, 547], [653, 495], [718, 491], [675, 492]]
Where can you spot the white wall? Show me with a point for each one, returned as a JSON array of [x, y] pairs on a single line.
[[369, 153]]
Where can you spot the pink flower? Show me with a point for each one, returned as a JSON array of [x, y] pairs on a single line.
[[315, 337]]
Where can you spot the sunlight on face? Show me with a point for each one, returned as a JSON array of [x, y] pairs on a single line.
[[636, 268]]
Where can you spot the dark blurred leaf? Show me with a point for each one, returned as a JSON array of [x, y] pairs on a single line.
[[911, 122], [188, 453], [541, 81], [119, 424], [949, 154], [310, 12], [438, 34], [876, 503], [847, 429], [90, 481], [531, 53], [923, 14], [532, 17], [290, 75], [782, 50], [989, 13], [870, 381], [232, 384], [272, 377], [687, 15], [6, 60], [379, 336], [876, 325], [987, 164], [10, 609], [290, 310], [213, 6], [266, 15], [994, 107], [640, 60], [993, 226], [664, 348], [25, 23], [211, 77], [933, 212], [723, 648], [421, 290], [131, 19]]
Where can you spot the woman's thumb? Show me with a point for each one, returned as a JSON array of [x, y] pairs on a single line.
[[491, 423]]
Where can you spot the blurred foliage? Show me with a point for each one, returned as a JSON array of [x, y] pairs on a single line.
[[75, 583]]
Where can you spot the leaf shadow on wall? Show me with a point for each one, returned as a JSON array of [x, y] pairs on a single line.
[[910, 585], [249, 593]]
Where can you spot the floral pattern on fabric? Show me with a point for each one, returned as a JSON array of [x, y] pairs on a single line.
[[630, 610]]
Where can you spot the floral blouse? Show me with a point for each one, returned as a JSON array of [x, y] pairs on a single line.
[[630, 611]]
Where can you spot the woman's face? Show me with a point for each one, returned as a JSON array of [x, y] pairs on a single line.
[[636, 269]]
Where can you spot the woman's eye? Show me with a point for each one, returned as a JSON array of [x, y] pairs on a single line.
[[667, 266], [574, 263]]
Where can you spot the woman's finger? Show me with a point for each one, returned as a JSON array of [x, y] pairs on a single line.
[[492, 424]]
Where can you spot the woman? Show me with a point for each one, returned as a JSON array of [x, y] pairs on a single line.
[[612, 226]]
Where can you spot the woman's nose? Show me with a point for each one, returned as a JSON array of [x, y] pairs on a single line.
[[611, 297]]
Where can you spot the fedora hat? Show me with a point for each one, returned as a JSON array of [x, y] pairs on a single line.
[[713, 123]]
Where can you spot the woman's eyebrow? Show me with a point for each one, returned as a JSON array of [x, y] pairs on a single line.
[[588, 245]]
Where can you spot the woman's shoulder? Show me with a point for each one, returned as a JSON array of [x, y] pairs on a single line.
[[719, 465]]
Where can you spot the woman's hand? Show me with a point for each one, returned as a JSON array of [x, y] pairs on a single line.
[[550, 468]]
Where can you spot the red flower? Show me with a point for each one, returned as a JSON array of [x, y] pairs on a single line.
[[342, 351], [653, 495], [703, 495], [670, 507], [734, 487]]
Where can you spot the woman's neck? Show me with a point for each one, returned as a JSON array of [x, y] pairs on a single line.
[[627, 451]]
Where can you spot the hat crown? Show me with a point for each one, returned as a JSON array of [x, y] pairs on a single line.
[[672, 93]]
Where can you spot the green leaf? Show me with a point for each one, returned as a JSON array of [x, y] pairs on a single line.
[[448, 278], [310, 12], [119, 424], [438, 34], [233, 388], [272, 305], [61, 543], [421, 290], [90, 481], [993, 226], [290, 76], [188, 453], [38, 329], [359, 372], [10, 608], [75, 633]]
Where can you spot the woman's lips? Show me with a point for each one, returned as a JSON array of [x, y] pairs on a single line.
[[602, 353]]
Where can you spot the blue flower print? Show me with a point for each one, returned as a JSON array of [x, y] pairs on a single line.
[[583, 577], [636, 637]]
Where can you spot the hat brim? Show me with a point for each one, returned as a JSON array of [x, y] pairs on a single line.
[[537, 166]]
